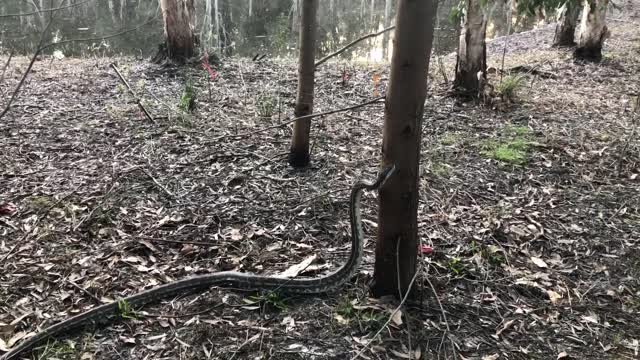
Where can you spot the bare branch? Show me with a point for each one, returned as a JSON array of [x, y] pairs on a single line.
[[324, 59], [306, 117], [44, 47], [44, 10]]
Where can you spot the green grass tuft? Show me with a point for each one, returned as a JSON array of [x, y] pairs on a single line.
[[509, 85]]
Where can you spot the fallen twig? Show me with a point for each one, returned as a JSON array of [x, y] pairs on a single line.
[[138, 101]]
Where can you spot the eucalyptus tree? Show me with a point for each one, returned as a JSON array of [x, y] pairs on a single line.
[[566, 26], [471, 61], [178, 28], [396, 251], [299, 152], [593, 30]]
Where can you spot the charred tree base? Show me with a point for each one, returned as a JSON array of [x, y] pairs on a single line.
[[591, 54], [564, 40], [299, 158], [180, 56]]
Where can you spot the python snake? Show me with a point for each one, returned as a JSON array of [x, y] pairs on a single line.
[[243, 281]]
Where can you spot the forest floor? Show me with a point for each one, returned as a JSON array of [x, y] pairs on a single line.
[[531, 208]]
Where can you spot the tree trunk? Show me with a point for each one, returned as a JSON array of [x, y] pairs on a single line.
[[387, 23], [398, 201], [299, 153], [178, 30], [566, 26], [225, 28], [372, 15], [216, 19], [471, 63], [593, 30], [205, 32], [250, 8]]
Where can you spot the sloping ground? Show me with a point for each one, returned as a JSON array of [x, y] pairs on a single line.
[[531, 208]]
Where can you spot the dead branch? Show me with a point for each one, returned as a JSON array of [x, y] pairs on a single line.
[[45, 10], [135, 95], [305, 117], [324, 59], [41, 48]]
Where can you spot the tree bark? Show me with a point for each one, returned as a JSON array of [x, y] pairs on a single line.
[[398, 201], [387, 22], [299, 153], [225, 27], [178, 30], [471, 63], [593, 30], [216, 16], [566, 26]]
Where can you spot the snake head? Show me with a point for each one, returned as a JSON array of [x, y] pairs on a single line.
[[384, 175]]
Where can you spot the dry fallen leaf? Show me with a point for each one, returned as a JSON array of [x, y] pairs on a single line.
[[553, 296], [294, 270], [396, 318], [539, 262]]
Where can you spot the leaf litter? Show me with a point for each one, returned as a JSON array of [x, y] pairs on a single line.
[[531, 260]]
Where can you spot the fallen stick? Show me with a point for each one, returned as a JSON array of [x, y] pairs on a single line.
[[138, 101]]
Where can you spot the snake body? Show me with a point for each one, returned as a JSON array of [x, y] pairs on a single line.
[[232, 279]]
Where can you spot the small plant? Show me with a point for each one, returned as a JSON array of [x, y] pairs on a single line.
[[266, 105], [125, 311], [450, 138], [511, 151], [509, 85], [188, 99], [441, 169], [455, 266], [345, 308], [270, 298]]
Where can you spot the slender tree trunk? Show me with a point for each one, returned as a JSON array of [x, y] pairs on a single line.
[[387, 23], [226, 31], [250, 8], [372, 15], [471, 63], [566, 26], [299, 153], [178, 30], [205, 31], [593, 30], [397, 243], [216, 12]]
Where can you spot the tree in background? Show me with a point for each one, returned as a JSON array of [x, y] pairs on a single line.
[[398, 201], [471, 63], [566, 26], [593, 30], [299, 153], [178, 30], [387, 23]]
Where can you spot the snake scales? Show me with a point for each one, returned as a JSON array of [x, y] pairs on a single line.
[[232, 279]]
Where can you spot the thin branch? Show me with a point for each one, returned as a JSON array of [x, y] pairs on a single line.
[[44, 47], [43, 35], [138, 101], [305, 117], [365, 37], [45, 10], [404, 299]]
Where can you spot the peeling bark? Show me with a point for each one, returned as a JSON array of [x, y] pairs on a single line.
[[566, 26], [178, 30], [593, 30], [471, 63]]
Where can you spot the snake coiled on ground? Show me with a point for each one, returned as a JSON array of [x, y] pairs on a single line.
[[231, 279]]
